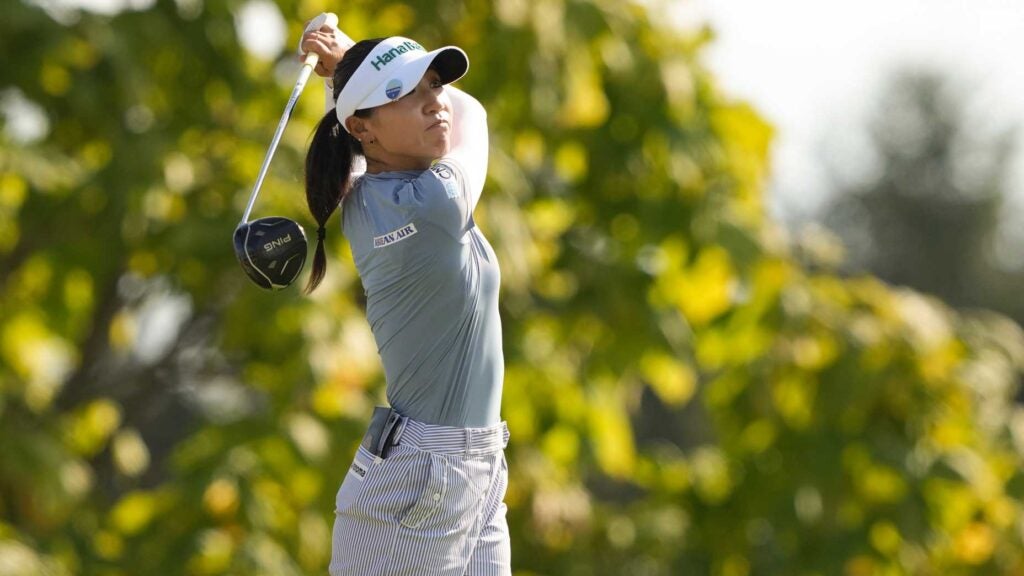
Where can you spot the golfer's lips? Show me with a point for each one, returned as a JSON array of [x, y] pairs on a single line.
[[440, 124]]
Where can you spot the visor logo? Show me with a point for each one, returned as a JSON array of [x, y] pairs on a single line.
[[393, 89], [383, 59]]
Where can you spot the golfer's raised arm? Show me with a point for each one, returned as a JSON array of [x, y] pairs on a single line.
[[469, 140]]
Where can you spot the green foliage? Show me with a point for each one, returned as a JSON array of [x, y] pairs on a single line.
[[684, 397]]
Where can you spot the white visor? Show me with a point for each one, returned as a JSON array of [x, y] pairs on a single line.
[[392, 69]]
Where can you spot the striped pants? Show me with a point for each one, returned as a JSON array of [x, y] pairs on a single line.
[[432, 507]]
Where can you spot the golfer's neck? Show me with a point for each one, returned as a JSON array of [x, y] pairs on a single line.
[[393, 163]]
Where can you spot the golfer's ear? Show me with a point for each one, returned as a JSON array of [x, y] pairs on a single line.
[[357, 128]]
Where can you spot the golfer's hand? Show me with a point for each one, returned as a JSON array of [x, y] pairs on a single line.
[[330, 43]]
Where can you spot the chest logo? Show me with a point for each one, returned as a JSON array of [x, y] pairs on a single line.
[[390, 238]]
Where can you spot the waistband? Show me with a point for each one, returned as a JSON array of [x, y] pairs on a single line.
[[450, 439]]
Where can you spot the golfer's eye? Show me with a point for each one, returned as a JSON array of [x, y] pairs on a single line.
[[436, 84]]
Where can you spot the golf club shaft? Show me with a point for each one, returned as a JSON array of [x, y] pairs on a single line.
[[307, 67]]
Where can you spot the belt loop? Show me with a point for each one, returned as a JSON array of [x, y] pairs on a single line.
[[469, 441]]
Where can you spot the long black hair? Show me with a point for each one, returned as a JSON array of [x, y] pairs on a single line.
[[329, 159]]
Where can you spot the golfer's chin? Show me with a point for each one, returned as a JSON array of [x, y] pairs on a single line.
[[440, 148]]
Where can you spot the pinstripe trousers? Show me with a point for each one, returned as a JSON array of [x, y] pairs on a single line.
[[432, 507]]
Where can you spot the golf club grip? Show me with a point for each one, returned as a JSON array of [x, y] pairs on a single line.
[[311, 60]]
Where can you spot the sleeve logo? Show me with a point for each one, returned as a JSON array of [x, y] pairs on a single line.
[[442, 171], [445, 174]]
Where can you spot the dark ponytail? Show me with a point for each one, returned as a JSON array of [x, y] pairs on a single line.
[[329, 160]]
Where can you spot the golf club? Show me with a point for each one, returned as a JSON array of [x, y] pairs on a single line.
[[272, 250]]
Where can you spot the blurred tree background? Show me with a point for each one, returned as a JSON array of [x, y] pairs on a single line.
[[690, 390], [936, 212]]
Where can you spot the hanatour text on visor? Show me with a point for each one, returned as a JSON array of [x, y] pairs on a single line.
[[392, 69]]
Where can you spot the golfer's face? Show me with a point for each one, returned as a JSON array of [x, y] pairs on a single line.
[[417, 125]]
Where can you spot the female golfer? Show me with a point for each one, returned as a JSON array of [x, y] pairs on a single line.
[[424, 493]]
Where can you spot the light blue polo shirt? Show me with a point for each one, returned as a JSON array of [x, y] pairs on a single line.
[[431, 281]]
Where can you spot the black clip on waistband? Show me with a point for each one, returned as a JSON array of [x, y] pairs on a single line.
[[383, 425]]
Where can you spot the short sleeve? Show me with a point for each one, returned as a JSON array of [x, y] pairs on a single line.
[[445, 198]]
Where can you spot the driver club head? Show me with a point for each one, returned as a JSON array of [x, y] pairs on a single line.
[[271, 250]]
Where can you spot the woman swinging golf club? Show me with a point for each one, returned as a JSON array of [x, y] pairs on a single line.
[[424, 494]]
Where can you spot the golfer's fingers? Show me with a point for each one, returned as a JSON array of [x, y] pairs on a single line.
[[315, 44]]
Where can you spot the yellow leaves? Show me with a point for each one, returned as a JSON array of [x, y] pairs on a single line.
[[512, 13], [54, 78], [571, 161], [880, 484], [309, 435], [940, 362], [163, 206], [78, 290], [713, 480], [562, 445], [314, 536], [735, 565], [89, 427], [528, 148], [793, 395], [394, 18], [885, 537], [702, 291], [518, 407], [549, 25], [611, 433], [950, 432], [550, 217], [746, 138], [808, 505], [76, 478], [621, 532], [135, 511], [951, 504], [13, 190], [131, 456], [220, 499], [216, 549], [585, 105], [80, 53], [96, 154], [108, 545], [758, 436], [975, 543], [738, 343], [304, 486], [33, 280], [680, 88], [875, 483], [625, 227], [122, 331], [179, 174], [40, 358], [814, 352], [556, 285], [673, 381]]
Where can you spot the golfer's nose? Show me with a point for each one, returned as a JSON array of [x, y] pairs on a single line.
[[433, 104]]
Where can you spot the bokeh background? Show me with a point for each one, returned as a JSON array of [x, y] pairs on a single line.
[[697, 381]]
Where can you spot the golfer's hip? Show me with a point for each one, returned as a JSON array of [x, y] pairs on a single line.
[[417, 493]]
